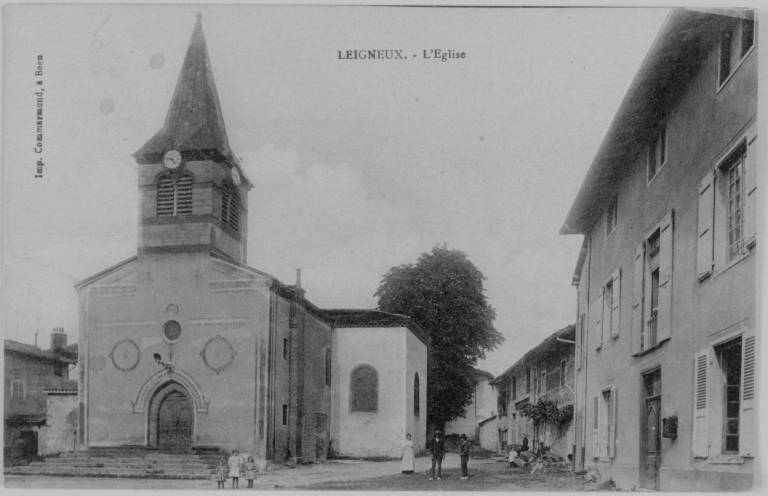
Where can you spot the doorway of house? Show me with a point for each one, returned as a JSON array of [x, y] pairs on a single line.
[[650, 430], [174, 422]]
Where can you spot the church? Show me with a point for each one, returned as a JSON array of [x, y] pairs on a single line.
[[183, 346]]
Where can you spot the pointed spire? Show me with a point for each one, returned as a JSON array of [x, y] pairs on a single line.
[[194, 125]]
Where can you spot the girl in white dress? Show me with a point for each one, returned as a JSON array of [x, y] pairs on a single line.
[[408, 463], [234, 468]]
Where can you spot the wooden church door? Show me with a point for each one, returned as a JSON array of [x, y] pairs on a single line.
[[175, 422]]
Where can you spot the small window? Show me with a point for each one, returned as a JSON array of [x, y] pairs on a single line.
[[327, 367], [502, 402], [543, 385], [657, 151], [285, 414], [172, 330], [416, 405], [611, 217], [733, 170], [729, 355], [735, 42], [285, 348], [18, 390], [230, 207], [527, 379], [174, 195], [607, 306], [562, 372], [514, 387], [608, 424], [364, 389]]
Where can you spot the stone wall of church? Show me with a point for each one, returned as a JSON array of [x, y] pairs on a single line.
[[58, 435], [224, 314], [316, 404]]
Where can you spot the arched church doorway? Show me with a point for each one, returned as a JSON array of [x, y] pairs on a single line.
[[171, 418]]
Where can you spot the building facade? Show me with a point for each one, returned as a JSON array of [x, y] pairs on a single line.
[[29, 373], [545, 373], [483, 406], [666, 275], [185, 347]]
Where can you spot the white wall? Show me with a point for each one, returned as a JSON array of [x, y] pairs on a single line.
[[396, 358], [416, 355]]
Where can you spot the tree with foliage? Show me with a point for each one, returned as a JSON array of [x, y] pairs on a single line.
[[443, 293]]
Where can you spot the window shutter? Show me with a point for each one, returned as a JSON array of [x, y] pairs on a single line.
[[165, 197], [596, 428], [704, 248], [616, 303], [184, 195], [700, 443], [665, 278], [750, 188], [637, 300], [747, 419], [612, 419], [599, 323]]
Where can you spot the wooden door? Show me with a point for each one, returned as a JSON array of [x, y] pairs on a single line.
[[650, 429], [175, 422]]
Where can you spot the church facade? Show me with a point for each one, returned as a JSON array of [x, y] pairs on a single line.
[[184, 346]]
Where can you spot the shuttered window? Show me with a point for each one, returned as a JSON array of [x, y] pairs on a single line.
[[174, 196], [723, 398], [230, 207]]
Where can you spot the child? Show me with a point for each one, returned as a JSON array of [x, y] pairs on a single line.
[[221, 473], [235, 462], [250, 471]]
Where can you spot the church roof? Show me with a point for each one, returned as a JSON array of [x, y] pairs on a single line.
[[341, 318], [194, 124]]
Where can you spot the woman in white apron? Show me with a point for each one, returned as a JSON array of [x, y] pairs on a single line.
[[408, 463]]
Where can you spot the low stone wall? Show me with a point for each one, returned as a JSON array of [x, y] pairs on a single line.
[[58, 434]]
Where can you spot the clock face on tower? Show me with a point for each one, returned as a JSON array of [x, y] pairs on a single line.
[[172, 159]]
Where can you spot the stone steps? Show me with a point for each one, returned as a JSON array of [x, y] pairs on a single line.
[[204, 474], [129, 462]]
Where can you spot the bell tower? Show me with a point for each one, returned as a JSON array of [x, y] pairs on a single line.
[[193, 194]]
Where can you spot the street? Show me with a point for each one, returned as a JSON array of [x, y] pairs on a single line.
[[485, 475]]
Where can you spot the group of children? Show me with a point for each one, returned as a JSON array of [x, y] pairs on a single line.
[[234, 468]]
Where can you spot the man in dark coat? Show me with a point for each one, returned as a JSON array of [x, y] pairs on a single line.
[[437, 448], [464, 455]]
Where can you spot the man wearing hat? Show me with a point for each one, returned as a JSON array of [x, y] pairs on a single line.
[[437, 448], [464, 454]]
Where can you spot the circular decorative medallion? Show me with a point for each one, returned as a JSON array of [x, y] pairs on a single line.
[[125, 355], [218, 353], [97, 363], [172, 330]]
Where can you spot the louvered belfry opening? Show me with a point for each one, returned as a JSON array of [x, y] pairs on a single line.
[[174, 196], [230, 208]]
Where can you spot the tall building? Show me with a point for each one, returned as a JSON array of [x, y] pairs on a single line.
[[665, 356], [185, 347]]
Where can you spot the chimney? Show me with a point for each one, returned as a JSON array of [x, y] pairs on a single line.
[[58, 338]]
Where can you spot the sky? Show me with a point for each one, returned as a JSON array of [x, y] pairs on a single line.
[[358, 165]]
